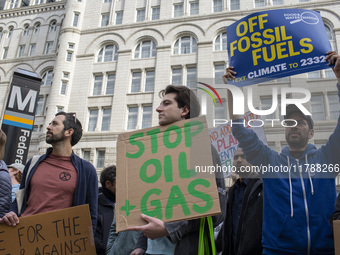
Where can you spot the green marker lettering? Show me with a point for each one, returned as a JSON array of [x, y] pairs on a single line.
[[183, 170], [187, 131], [205, 197], [176, 197], [157, 212], [158, 171], [168, 168], [138, 143], [154, 143], [166, 137]]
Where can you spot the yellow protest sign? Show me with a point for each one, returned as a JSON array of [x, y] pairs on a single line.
[[156, 174], [66, 231]]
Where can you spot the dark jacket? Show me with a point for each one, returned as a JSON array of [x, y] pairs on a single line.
[[185, 234], [86, 190], [104, 221], [336, 214], [249, 228], [5, 189]]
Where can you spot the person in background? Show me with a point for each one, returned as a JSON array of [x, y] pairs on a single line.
[[15, 171], [106, 205], [5, 179], [242, 228]]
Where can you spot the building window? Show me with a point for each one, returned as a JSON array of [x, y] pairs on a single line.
[[234, 5], [36, 29], [266, 104], [86, 154], [31, 50], [194, 8], [220, 113], [147, 117], [10, 32], [75, 19], [149, 81], [330, 34], [110, 84], [119, 18], [36, 2], [5, 53], [21, 51], [317, 107], [314, 75], [277, 2], [40, 105], [260, 3], [48, 47], [334, 107], [60, 109], [140, 15], [155, 12], [98, 82], [132, 117], [100, 158], [221, 41], [185, 45], [301, 1], [69, 56], [26, 30], [105, 19], [191, 77], [108, 53], [63, 87], [53, 26], [329, 74], [146, 49], [107, 1], [97, 85], [178, 10], [13, 4], [136, 81], [1, 33], [218, 5], [47, 78], [66, 75], [219, 72], [176, 76], [93, 116], [71, 46], [106, 119]]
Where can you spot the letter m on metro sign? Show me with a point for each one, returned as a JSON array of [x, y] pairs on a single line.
[[19, 115]]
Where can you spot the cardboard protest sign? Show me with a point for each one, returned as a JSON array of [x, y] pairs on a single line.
[[336, 232], [66, 231], [223, 140], [156, 174], [275, 44]]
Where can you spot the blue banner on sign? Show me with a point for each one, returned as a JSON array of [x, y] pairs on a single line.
[[275, 44]]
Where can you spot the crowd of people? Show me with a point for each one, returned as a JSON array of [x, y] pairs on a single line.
[[274, 213]]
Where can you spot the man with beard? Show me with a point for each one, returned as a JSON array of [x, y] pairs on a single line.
[[59, 179], [298, 200], [242, 228]]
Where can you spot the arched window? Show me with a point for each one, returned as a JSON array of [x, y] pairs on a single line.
[[47, 78], [36, 28], [185, 45], [108, 53], [53, 26], [330, 34], [1, 33], [10, 32], [26, 30], [146, 49], [221, 41]]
